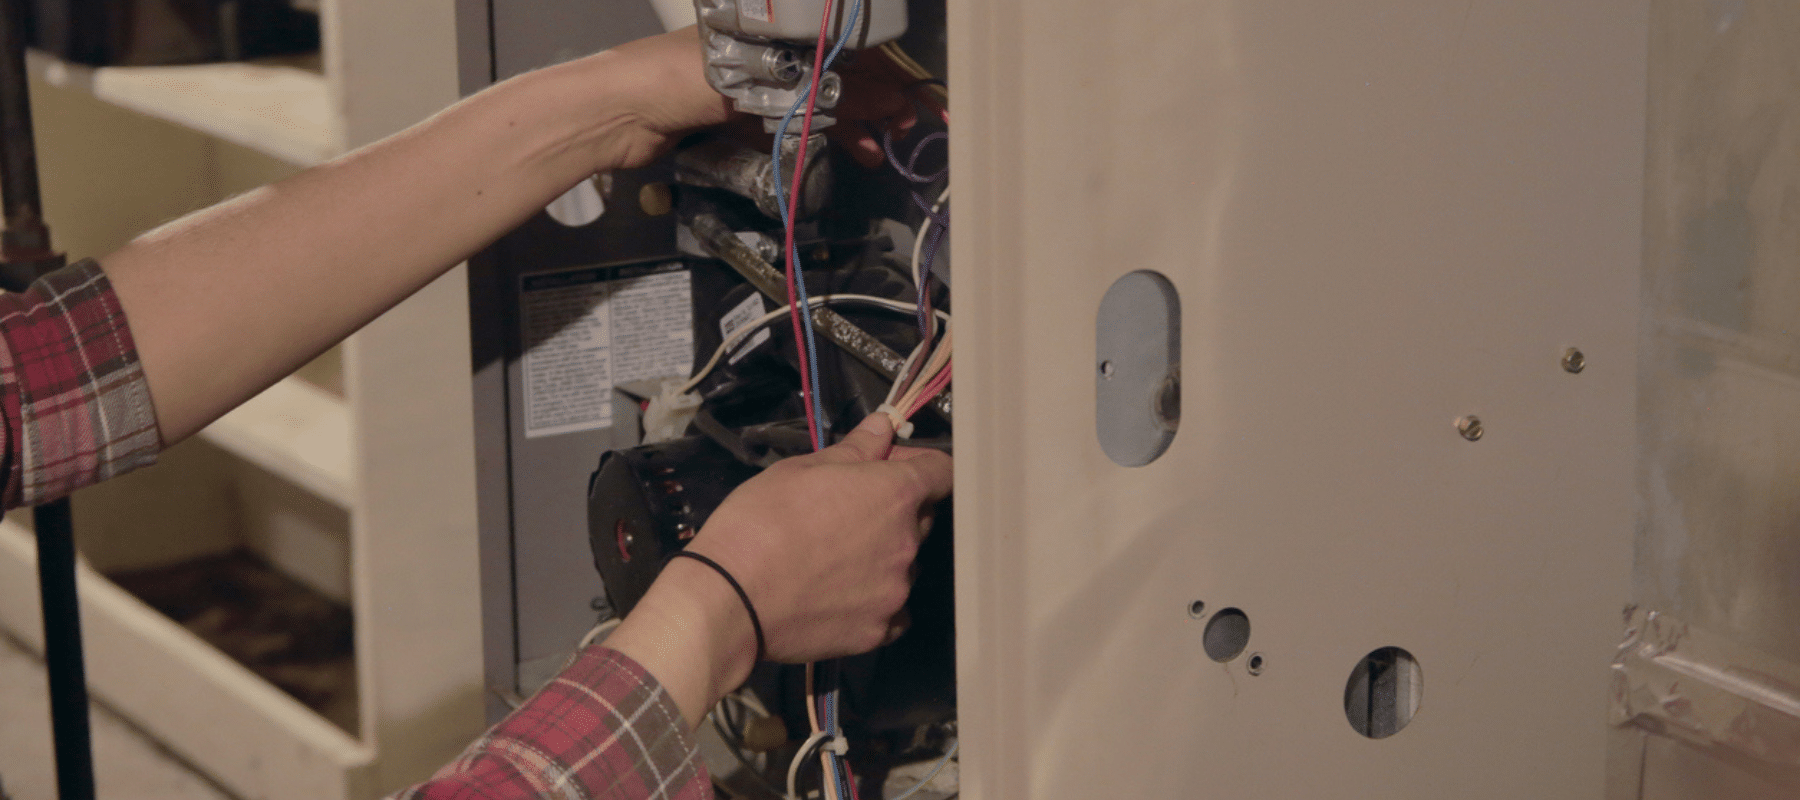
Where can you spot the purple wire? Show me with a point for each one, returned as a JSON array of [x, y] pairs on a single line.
[[941, 221], [910, 170]]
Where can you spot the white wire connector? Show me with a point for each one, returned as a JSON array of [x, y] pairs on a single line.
[[903, 429], [667, 415]]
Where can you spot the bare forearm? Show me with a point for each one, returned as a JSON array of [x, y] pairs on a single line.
[[692, 633], [228, 300]]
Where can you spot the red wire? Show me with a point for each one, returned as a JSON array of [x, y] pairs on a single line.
[[931, 390], [812, 100]]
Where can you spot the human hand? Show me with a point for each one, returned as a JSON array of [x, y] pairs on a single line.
[[669, 97], [824, 543], [876, 90], [663, 95]]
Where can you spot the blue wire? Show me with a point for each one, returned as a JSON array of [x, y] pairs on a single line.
[[840, 772], [809, 347]]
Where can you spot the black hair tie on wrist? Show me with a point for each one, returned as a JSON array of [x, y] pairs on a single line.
[[755, 622]]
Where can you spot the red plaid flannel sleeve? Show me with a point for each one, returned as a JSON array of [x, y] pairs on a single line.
[[75, 403], [604, 728]]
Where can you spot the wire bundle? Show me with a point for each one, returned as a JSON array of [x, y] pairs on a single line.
[[789, 202], [840, 785], [922, 378]]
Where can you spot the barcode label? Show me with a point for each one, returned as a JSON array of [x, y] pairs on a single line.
[[745, 313]]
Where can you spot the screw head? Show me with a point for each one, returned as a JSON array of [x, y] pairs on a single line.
[[1254, 664], [1197, 609], [1574, 361], [1469, 427], [831, 88]]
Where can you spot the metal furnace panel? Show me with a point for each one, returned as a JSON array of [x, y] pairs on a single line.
[[1381, 218]]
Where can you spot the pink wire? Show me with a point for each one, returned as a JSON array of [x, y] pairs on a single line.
[[932, 389], [812, 100]]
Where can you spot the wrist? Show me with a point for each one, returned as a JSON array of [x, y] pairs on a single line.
[[693, 633], [622, 107]]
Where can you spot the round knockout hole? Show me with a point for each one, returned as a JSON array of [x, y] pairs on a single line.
[[1384, 692], [1226, 635], [1197, 609], [1255, 665]]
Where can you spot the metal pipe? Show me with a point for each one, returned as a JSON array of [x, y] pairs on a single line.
[[25, 254], [726, 246], [62, 651], [18, 148]]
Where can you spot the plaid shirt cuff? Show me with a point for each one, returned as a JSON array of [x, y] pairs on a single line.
[[76, 406], [604, 728]]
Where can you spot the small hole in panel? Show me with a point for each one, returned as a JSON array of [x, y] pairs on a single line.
[[1226, 635], [1384, 692], [1106, 369], [1197, 609]]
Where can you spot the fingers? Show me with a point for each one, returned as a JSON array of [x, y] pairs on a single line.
[[870, 441], [934, 472], [859, 144]]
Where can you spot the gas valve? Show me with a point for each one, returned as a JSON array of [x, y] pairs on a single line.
[[758, 52]]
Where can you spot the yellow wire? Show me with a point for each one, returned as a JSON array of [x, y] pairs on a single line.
[[912, 67]]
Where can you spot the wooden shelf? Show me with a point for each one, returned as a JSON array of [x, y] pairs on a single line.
[[206, 707], [274, 108], [295, 430]]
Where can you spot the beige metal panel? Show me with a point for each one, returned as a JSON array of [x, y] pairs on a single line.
[[1380, 216]]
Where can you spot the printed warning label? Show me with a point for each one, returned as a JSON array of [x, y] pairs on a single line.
[[759, 10], [587, 330], [743, 314]]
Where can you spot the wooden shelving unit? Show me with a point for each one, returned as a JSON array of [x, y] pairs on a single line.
[[296, 430], [333, 487], [280, 108]]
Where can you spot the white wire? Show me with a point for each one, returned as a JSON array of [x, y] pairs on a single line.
[[900, 382], [733, 740], [918, 253], [942, 762], [793, 782], [826, 299]]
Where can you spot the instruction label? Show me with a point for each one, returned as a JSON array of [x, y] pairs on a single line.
[[588, 330], [739, 316], [758, 10]]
